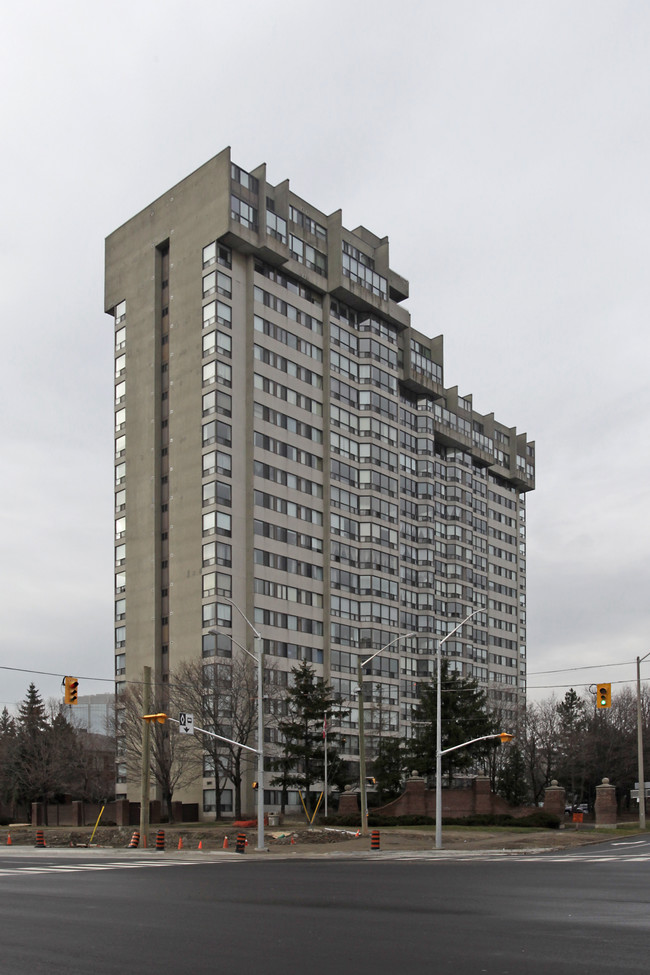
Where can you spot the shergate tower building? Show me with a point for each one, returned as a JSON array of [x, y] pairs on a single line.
[[284, 438]]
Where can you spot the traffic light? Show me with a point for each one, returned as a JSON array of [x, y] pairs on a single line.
[[70, 695], [604, 696], [160, 718], [256, 785]]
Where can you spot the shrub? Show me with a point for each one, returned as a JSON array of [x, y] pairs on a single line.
[[537, 820]]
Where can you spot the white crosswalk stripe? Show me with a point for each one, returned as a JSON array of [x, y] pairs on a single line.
[[85, 864], [432, 856], [18, 870]]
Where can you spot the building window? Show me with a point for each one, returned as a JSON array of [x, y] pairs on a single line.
[[209, 284], [209, 254], [217, 461], [217, 584], [360, 268], [210, 801], [276, 227], [215, 492], [243, 213], [307, 255], [244, 179], [217, 522], [209, 314], [224, 284], [224, 314], [120, 664], [217, 402], [217, 614], [217, 431]]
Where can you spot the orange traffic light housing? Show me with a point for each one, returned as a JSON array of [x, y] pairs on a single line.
[[604, 696], [70, 694], [161, 717]]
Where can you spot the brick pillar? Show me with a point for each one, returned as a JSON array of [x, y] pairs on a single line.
[[122, 812], [555, 799], [482, 795], [348, 803], [414, 801], [605, 805]]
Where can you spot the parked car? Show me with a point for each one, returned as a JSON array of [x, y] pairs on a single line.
[[582, 807]]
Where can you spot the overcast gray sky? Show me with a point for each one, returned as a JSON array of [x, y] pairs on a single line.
[[504, 148]]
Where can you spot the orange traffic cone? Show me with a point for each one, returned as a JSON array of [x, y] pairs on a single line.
[[200, 844], [9, 839], [225, 842], [180, 842]]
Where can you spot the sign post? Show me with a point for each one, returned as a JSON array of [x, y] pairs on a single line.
[[186, 723]]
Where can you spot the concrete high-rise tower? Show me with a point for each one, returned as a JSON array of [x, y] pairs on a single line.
[[284, 438]]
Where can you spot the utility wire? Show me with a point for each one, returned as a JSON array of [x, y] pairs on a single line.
[[567, 670], [445, 690]]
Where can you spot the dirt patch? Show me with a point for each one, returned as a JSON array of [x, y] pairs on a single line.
[[297, 836]]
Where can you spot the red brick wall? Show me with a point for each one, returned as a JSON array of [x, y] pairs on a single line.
[[417, 800]]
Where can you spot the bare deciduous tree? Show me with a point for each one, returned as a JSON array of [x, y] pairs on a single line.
[[174, 760], [222, 696]]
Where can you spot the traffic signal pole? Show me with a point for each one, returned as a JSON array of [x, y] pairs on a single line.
[[639, 736]]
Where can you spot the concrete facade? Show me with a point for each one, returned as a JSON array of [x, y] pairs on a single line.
[[284, 438]]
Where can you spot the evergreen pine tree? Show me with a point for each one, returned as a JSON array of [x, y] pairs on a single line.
[[464, 717], [7, 724], [32, 717], [388, 767], [309, 705]]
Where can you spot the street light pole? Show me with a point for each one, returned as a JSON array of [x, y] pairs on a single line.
[[259, 655], [639, 746], [439, 730], [362, 736]]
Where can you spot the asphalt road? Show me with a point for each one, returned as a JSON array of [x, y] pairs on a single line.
[[104, 911]]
